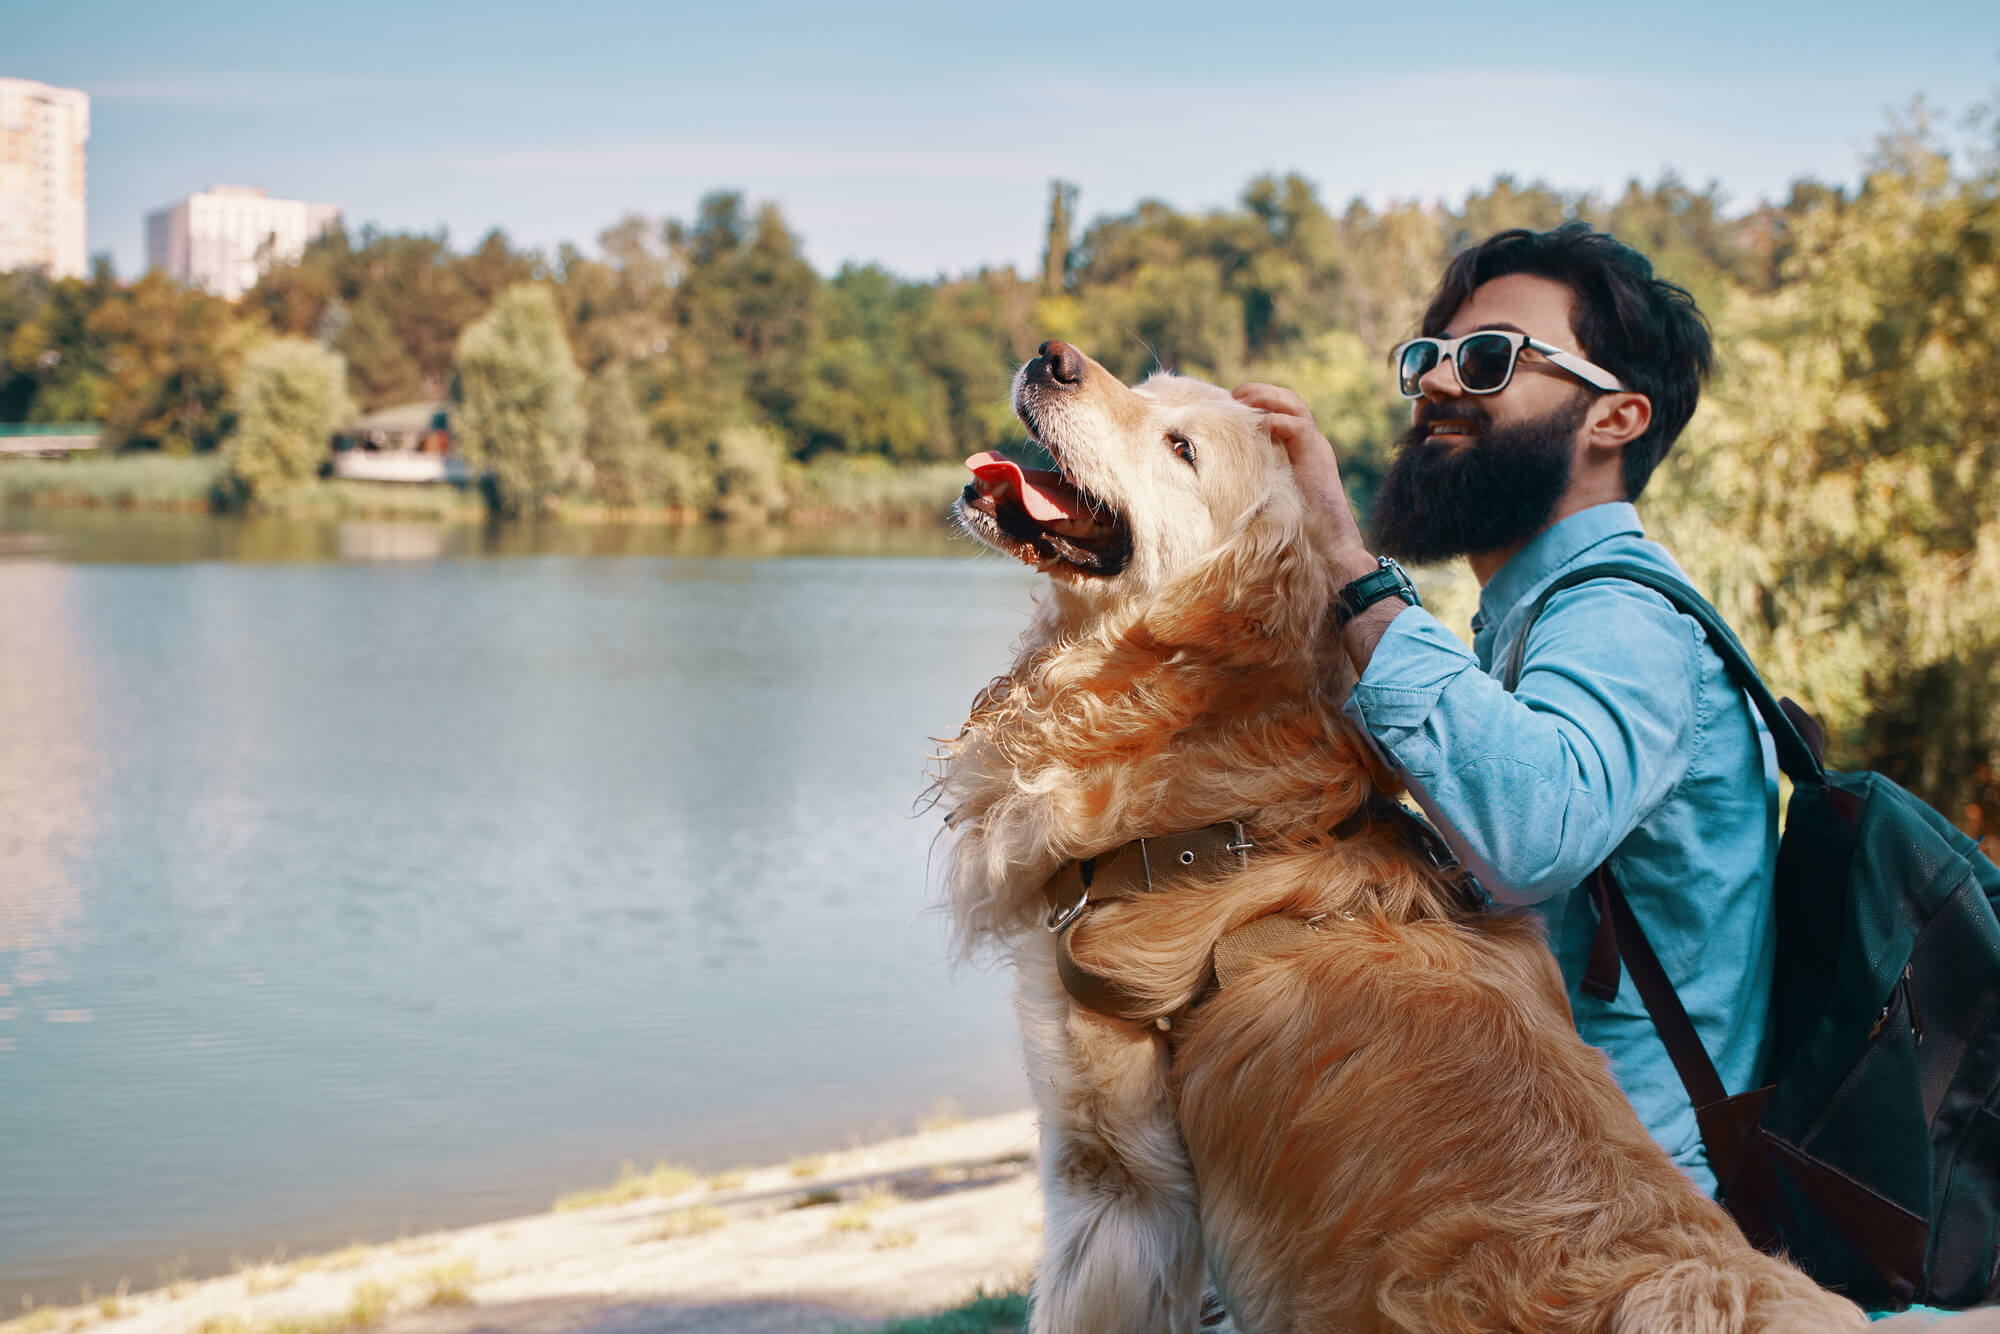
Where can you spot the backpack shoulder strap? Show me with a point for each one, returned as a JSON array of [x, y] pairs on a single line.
[[1618, 933], [1795, 757]]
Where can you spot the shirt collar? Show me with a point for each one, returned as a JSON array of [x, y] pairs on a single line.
[[1556, 546]]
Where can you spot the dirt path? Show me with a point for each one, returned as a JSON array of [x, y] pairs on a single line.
[[902, 1227]]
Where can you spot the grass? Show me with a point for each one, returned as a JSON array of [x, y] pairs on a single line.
[[733, 1179], [683, 1223], [834, 487], [449, 1284], [809, 1166], [39, 1320], [859, 1216], [113, 481], [986, 1313], [944, 1114], [632, 1184], [350, 1256], [814, 1198], [895, 1239], [344, 498]]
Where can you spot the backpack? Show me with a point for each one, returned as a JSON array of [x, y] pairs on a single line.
[[1871, 1153]]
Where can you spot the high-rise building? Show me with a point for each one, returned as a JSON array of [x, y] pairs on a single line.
[[42, 134], [223, 237]]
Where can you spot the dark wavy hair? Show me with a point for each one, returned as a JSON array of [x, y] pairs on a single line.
[[1640, 327]]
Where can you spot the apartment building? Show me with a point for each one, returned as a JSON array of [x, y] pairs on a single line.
[[221, 238], [42, 135]]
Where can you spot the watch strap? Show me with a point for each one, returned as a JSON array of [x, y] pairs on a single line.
[[1386, 582]]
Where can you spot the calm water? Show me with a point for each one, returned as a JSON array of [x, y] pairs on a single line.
[[365, 877]]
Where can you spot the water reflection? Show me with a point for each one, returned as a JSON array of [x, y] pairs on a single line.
[[48, 785], [98, 535]]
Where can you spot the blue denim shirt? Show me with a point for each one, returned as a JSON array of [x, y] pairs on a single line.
[[1625, 741]]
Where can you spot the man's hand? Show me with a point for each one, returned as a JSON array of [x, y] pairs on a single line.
[[1291, 425]]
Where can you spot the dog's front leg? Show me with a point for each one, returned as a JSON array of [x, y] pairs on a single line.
[[1122, 1231]]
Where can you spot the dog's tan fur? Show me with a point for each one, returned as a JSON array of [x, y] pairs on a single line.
[[1390, 1127]]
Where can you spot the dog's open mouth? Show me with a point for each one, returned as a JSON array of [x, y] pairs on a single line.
[[1040, 515]]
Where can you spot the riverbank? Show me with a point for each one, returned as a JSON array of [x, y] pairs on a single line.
[[842, 1241], [827, 491]]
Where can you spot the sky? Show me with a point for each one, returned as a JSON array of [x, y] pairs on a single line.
[[923, 136]]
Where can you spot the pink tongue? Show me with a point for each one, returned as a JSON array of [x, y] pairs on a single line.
[[1043, 506]]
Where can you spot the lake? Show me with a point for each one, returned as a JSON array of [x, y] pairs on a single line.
[[360, 878]]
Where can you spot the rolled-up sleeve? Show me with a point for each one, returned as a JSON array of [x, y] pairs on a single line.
[[1534, 789]]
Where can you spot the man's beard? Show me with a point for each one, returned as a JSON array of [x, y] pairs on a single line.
[[1494, 490]]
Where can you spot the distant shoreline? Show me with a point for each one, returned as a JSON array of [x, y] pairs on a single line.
[[194, 484]]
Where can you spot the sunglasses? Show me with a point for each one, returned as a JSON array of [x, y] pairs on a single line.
[[1485, 362]]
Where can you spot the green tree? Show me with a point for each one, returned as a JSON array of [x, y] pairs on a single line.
[[518, 418], [1055, 249], [288, 398], [626, 466], [749, 471], [1836, 489], [170, 352]]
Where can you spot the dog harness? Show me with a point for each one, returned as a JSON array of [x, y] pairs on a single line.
[[1173, 861]]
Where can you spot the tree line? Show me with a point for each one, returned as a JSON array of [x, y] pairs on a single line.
[[1835, 492]]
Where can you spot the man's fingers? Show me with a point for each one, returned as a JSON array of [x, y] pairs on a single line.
[[1271, 398], [1290, 430]]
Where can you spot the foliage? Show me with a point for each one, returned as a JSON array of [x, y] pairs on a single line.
[[1837, 489], [288, 399], [625, 468], [748, 467], [518, 418]]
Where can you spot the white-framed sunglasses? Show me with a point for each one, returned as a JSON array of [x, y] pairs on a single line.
[[1485, 362]]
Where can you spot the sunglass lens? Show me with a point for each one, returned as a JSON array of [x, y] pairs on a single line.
[[1418, 358], [1484, 361]]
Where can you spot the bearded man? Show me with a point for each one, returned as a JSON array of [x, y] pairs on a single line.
[[1554, 372]]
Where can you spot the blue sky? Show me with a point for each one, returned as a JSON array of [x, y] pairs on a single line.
[[923, 136]]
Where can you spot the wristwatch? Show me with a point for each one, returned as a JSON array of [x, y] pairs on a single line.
[[1387, 582]]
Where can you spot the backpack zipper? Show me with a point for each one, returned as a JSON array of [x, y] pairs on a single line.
[[1903, 989], [1910, 1003]]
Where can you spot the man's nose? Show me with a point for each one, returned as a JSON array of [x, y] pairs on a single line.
[[1440, 382]]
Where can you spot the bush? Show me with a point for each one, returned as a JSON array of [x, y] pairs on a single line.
[[288, 399], [749, 475], [519, 419]]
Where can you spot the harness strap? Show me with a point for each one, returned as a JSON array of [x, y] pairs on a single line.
[[1253, 942]]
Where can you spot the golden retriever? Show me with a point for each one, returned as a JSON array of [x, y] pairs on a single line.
[[1387, 1121]]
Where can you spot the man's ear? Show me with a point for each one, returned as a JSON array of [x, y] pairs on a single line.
[[1616, 420]]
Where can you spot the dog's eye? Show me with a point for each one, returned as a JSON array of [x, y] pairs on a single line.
[[1182, 446]]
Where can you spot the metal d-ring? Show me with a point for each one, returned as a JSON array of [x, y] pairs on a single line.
[[1062, 917]]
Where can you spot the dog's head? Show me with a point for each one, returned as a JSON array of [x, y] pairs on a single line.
[[1179, 674], [1150, 483]]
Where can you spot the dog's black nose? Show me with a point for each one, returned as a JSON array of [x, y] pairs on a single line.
[[1065, 363]]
